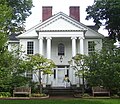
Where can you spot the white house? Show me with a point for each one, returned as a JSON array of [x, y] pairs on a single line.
[[60, 37]]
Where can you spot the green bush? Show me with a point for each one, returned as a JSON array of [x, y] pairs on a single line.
[[85, 95], [5, 94], [38, 95]]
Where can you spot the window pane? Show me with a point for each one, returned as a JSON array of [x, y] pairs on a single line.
[[29, 74], [61, 49], [91, 47], [30, 47], [54, 73]]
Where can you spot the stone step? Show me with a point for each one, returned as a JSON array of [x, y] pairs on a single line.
[[59, 91]]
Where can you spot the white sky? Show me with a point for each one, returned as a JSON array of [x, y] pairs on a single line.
[[59, 6]]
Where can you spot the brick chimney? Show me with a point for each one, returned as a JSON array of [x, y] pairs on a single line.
[[46, 12], [74, 12]]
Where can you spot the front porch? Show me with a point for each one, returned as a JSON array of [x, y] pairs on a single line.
[[57, 78]]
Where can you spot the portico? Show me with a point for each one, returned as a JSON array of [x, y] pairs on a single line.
[[72, 46], [76, 42]]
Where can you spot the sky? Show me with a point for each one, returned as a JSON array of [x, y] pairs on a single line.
[[60, 6]]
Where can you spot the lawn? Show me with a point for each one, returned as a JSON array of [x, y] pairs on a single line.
[[63, 101]]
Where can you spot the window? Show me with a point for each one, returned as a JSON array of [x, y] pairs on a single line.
[[61, 49], [91, 47], [54, 73], [29, 74], [30, 47], [67, 72]]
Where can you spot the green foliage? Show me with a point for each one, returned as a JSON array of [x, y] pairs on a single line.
[[104, 67], [21, 9], [85, 95], [5, 15], [12, 69], [106, 13], [5, 70], [78, 63], [12, 15], [38, 63], [38, 95], [5, 94]]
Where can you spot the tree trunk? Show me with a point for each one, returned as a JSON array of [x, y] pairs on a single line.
[[79, 80], [83, 86], [40, 83], [47, 79]]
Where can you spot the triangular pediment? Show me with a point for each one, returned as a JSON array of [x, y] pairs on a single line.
[[60, 22]]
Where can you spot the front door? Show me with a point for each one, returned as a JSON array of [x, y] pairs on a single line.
[[60, 77]]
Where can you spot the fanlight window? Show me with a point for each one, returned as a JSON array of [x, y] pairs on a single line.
[[61, 49]]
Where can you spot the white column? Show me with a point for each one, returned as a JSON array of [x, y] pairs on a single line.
[[40, 45], [49, 47], [73, 46], [81, 45], [73, 54]]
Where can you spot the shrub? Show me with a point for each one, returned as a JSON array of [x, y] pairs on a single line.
[[5, 94], [38, 95], [85, 95]]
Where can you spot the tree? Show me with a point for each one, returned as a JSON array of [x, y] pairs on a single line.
[[37, 63], [18, 68], [21, 9], [78, 63], [106, 13], [5, 15], [12, 69], [104, 67]]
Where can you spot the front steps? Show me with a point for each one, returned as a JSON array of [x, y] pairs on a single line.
[[61, 91]]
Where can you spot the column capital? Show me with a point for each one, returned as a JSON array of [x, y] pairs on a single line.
[[81, 37], [48, 38], [40, 37], [73, 37]]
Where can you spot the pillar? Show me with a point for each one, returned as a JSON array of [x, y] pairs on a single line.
[[81, 45], [73, 46], [40, 45], [48, 47]]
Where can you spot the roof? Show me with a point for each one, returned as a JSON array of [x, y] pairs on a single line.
[[13, 36], [43, 26], [94, 27]]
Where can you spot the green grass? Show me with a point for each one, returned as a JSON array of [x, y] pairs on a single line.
[[62, 101]]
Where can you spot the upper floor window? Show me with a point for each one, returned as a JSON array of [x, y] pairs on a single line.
[[61, 49], [29, 74], [30, 47], [91, 47]]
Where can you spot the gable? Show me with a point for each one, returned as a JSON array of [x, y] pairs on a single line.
[[61, 24]]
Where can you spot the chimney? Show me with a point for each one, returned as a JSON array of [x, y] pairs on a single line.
[[74, 12], [46, 12]]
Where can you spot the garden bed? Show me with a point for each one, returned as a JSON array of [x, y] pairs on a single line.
[[23, 98]]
